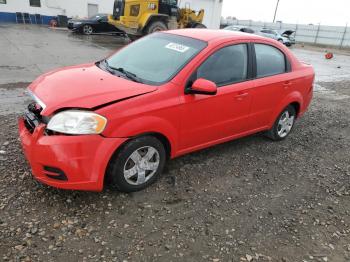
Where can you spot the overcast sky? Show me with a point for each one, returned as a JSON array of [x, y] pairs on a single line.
[[335, 12]]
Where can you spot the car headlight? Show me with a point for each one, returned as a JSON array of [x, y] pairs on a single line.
[[77, 122], [77, 23]]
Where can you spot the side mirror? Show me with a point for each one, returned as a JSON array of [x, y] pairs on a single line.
[[203, 87]]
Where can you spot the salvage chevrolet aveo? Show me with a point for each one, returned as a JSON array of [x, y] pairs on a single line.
[[163, 96]]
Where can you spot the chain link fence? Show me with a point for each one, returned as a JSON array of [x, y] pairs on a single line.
[[315, 34]]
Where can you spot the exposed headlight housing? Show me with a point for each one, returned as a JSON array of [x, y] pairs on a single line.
[[77, 122], [36, 99]]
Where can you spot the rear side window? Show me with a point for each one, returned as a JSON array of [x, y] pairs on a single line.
[[227, 65], [269, 60]]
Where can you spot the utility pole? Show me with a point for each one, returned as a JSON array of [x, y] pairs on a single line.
[[274, 17]]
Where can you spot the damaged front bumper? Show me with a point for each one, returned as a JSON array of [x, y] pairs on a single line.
[[67, 162]]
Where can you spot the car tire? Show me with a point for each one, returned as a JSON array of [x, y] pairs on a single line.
[[87, 30], [133, 38], [283, 124], [137, 164], [156, 27]]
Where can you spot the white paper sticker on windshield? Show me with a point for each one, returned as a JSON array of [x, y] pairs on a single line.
[[177, 47]]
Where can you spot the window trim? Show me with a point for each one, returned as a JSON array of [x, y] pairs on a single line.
[[288, 67], [250, 68]]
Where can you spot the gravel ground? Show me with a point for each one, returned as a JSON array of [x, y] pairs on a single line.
[[246, 200]]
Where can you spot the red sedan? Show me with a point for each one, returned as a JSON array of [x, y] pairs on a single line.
[[163, 96]]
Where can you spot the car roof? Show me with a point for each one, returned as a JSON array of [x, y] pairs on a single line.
[[209, 35]]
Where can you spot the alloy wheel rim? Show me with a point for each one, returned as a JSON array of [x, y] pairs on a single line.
[[87, 29], [285, 124], [141, 165]]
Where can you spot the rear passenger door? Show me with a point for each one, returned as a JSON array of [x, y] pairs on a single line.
[[209, 118], [272, 82]]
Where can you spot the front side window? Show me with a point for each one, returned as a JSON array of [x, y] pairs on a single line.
[[169, 2], [134, 10], [269, 60], [227, 65], [157, 58], [2, 1], [35, 3], [104, 19]]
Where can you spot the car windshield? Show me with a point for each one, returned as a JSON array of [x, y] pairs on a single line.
[[157, 58]]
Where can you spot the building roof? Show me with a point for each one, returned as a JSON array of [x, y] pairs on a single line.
[[209, 35]]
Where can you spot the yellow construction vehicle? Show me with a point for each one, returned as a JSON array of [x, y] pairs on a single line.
[[141, 17]]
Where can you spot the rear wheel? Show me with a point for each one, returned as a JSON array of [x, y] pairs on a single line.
[[87, 30], [283, 125], [138, 164], [156, 26]]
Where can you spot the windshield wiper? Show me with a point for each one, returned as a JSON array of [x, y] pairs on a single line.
[[128, 74], [109, 69]]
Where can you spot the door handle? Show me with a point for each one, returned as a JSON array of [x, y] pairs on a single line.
[[287, 84], [241, 96]]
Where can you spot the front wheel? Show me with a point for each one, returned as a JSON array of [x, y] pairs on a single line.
[[283, 125], [87, 30], [138, 164], [156, 27]]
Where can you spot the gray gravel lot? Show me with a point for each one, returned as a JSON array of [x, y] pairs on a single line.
[[246, 200]]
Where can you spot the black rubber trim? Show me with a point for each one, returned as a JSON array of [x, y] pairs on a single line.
[[59, 174], [251, 62]]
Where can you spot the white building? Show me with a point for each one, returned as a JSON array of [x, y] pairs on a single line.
[[51, 8], [212, 10], [85, 8]]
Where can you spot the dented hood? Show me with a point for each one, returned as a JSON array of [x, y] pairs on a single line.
[[83, 86]]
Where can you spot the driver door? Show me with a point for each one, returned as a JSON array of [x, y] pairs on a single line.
[[208, 119], [102, 25]]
